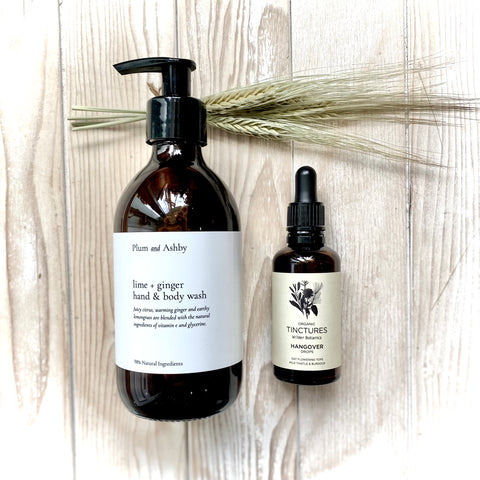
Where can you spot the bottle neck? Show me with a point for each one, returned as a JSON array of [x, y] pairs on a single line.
[[177, 153], [299, 238]]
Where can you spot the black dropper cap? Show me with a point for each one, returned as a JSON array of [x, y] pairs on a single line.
[[175, 115], [306, 213]]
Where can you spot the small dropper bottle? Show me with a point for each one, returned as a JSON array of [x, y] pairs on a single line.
[[306, 300]]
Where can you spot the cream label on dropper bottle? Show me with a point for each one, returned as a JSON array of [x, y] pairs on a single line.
[[177, 301], [306, 311]]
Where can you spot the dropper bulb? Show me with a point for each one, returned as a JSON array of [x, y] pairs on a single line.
[[306, 185], [305, 211]]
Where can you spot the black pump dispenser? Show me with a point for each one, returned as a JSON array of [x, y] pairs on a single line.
[[187, 224], [175, 115], [306, 213]]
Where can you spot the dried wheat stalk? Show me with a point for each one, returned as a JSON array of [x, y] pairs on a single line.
[[309, 108]]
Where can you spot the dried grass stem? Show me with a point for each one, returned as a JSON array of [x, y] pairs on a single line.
[[308, 108]]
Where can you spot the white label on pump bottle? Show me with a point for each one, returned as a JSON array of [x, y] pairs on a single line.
[[306, 321], [177, 301]]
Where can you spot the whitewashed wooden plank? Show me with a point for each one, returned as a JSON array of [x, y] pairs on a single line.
[[446, 252], [35, 407], [237, 43], [110, 441], [359, 425]]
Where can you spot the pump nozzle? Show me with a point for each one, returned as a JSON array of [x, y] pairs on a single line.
[[174, 116], [175, 72]]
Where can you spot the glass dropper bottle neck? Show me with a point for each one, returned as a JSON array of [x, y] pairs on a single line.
[[305, 239]]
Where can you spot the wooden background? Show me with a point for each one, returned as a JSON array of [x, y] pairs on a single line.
[[407, 405]]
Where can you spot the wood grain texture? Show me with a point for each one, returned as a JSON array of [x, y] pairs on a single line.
[[359, 425], [446, 254], [248, 41], [406, 406], [109, 440], [34, 357]]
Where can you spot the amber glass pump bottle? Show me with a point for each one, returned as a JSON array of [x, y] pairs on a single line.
[[306, 323], [177, 259]]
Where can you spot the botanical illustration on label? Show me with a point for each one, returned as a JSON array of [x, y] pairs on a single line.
[[306, 297], [306, 327], [177, 301]]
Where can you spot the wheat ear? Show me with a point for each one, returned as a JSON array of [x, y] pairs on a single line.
[[308, 108]]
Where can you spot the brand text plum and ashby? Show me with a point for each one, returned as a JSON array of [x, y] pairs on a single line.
[[174, 247]]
